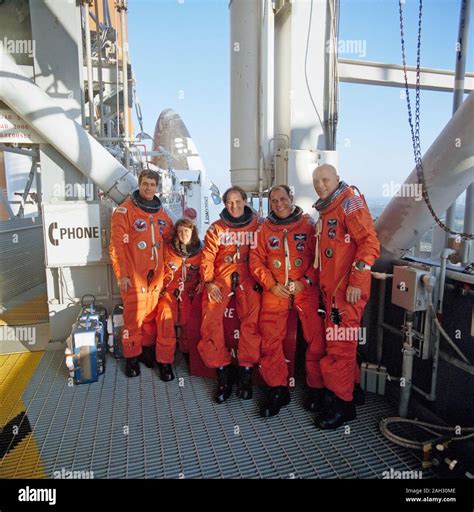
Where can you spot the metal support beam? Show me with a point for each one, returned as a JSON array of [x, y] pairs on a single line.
[[26, 192], [464, 21], [99, 69], [109, 71], [391, 75], [5, 203], [90, 86], [33, 153], [121, 7]]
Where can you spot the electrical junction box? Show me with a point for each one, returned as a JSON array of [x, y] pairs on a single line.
[[408, 291], [373, 378]]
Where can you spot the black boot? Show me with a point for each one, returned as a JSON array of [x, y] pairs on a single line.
[[336, 415], [277, 397], [147, 357], [132, 367], [166, 372], [318, 399], [358, 395], [244, 383], [224, 384]]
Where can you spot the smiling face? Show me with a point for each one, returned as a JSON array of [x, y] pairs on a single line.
[[325, 180], [281, 203], [235, 204], [147, 188], [184, 234]]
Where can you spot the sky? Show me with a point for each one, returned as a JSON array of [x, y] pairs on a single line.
[[180, 54]]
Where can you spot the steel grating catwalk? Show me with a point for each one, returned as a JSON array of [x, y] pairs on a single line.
[[145, 428]]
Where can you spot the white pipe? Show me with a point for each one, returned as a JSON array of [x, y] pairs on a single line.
[[442, 279], [244, 80], [429, 282], [459, 276], [261, 28], [99, 56], [407, 367], [70, 139], [331, 80], [90, 83], [449, 169], [117, 82], [123, 25]]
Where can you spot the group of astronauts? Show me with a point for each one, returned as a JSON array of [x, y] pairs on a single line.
[[284, 262]]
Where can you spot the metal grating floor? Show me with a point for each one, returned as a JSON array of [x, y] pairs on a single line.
[[145, 428]]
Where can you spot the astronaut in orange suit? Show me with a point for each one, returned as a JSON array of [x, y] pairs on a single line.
[[346, 248], [140, 226], [224, 272], [283, 264], [182, 258]]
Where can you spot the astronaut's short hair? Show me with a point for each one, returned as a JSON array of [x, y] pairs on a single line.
[[286, 188], [240, 190], [148, 173]]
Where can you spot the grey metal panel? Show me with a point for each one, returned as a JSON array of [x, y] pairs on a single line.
[[16, 26], [56, 28], [21, 257], [66, 286], [77, 281]]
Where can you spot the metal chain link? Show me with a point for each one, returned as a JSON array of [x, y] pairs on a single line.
[[415, 131]]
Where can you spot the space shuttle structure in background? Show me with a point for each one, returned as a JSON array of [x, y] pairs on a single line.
[[68, 155], [173, 148]]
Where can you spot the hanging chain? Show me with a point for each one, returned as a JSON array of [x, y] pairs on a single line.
[[415, 131]]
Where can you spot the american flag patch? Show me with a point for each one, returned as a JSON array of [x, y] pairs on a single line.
[[352, 204]]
